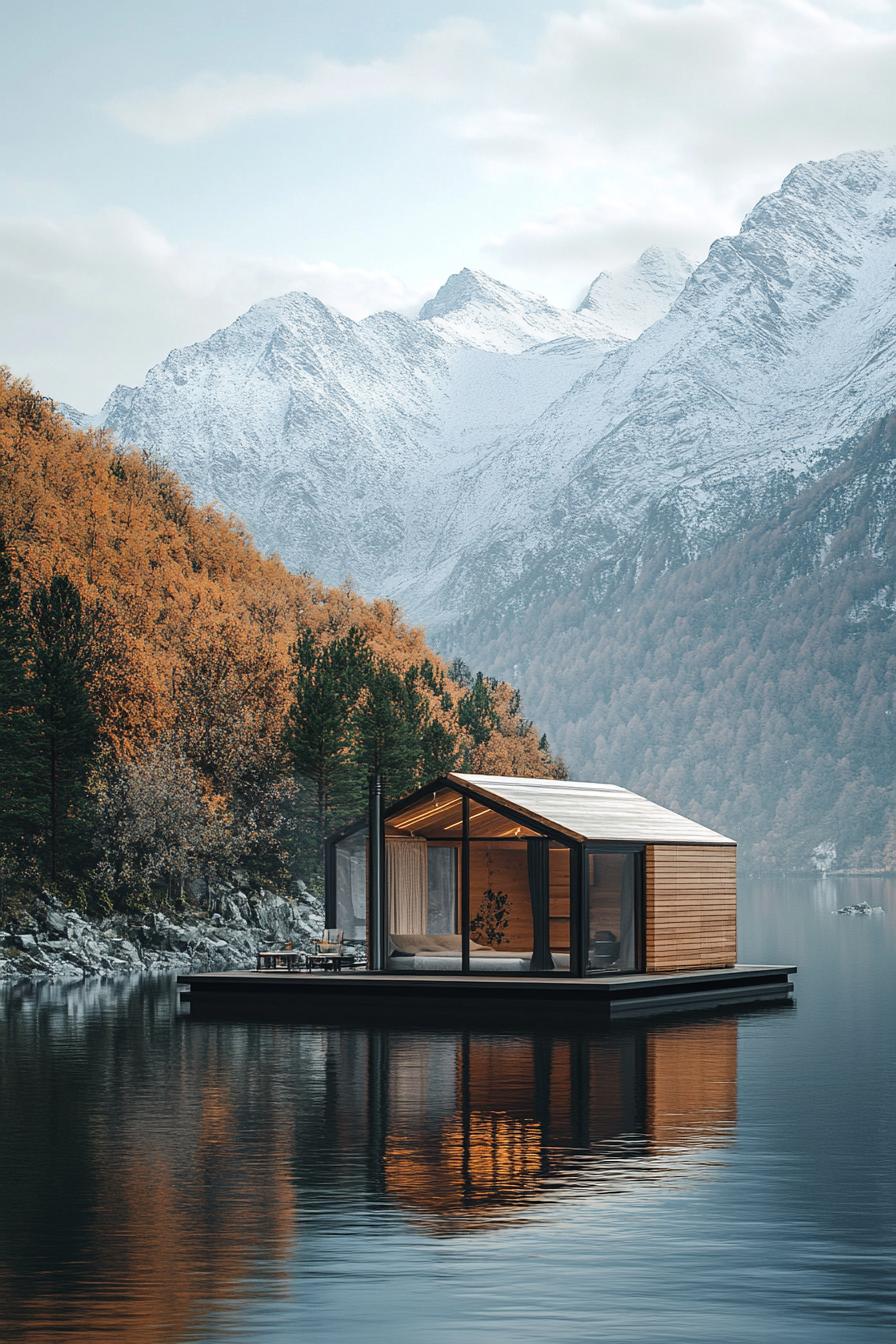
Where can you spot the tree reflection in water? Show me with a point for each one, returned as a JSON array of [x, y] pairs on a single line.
[[157, 1172]]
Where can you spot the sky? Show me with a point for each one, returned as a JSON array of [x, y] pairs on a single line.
[[166, 166]]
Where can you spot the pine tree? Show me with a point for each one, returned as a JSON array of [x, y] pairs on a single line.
[[390, 724], [61, 664], [477, 713], [327, 682], [439, 747], [19, 793]]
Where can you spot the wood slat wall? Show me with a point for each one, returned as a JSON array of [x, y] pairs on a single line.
[[559, 899], [504, 868], [691, 907]]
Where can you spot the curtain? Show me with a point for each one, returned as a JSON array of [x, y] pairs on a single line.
[[538, 856], [351, 885], [626, 959], [442, 893], [406, 884]]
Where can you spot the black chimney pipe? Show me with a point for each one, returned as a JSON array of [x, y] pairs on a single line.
[[376, 877]]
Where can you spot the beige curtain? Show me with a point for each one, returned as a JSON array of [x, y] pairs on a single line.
[[406, 880]]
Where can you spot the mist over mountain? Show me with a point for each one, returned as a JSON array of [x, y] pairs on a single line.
[[483, 462], [753, 687], [473, 308], [631, 299], [352, 447]]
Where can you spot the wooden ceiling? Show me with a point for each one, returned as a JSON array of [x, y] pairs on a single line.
[[440, 817]]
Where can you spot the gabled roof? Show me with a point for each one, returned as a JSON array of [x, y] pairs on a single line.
[[591, 811]]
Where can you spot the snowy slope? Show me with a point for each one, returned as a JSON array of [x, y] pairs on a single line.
[[781, 346], [336, 441], [630, 300], [473, 308], [490, 451]]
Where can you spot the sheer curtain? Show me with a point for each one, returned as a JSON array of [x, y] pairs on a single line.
[[351, 885], [627, 915], [406, 884]]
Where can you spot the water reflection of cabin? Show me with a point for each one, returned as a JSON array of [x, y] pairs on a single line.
[[485, 874], [475, 1127]]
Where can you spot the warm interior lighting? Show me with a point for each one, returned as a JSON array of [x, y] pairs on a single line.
[[514, 830], [421, 816], [481, 813]]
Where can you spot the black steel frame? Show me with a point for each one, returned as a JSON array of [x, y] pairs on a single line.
[[579, 924], [619, 847]]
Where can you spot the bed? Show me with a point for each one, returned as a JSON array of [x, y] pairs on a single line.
[[442, 952]]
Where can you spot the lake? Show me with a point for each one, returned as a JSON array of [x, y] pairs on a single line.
[[714, 1177]]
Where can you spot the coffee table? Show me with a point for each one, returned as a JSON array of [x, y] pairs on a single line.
[[330, 961], [288, 959]]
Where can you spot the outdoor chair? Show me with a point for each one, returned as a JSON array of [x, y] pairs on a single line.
[[330, 943], [604, 950]]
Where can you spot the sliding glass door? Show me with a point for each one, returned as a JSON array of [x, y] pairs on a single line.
[[615, 907]]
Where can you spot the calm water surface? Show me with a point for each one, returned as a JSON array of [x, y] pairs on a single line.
[[717, 1178]]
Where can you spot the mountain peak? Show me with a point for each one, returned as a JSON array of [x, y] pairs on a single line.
[[634, 297], [476, 309], [468, 286]]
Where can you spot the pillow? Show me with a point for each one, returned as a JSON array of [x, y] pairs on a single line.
[[425, 944]]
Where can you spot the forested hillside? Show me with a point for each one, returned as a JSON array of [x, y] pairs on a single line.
[[174, 705], [754, 689]]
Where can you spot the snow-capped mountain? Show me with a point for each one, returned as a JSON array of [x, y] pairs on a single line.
[[781, 346], [338, 441], [473, 308], [496, 448], [630, 300]]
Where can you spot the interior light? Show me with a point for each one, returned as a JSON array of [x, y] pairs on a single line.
[[471, 817]]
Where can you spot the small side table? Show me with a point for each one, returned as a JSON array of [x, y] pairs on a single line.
[[284, 960], [330, 961]]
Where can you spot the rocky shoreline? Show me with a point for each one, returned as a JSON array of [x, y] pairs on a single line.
[[56, 942]]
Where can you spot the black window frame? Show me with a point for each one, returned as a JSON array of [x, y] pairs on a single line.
[[639, 849]]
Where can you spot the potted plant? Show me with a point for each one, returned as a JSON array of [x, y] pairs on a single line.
[[489, 925]]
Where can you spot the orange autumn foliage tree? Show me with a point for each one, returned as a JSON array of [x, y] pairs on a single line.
[[196, 624]]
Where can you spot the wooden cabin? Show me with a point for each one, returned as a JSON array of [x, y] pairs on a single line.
[[496, 875]]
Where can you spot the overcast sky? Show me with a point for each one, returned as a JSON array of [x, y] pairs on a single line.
[[166, 165]]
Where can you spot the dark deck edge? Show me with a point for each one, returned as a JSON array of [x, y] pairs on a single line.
[[352, 993]]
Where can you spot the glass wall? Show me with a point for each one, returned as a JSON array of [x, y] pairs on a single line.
[[441, 896], [422, 905], [559, 905], [501, 937], [351, 886], [519, 906], [614, 915]]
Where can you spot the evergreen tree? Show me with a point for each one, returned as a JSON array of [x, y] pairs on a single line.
[[19, 794], [61, 665], [477, 713], [439, 749], [390, 723], [327, 682], [460, 673]]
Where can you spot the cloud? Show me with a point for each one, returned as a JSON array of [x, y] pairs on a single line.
[[648, 122], [87, 302], [631, 209], [678, 119], [432, 67], [625, 122], [710, 85], [719, 83]]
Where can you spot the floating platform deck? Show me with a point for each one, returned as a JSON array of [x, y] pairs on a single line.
[[323, 995]]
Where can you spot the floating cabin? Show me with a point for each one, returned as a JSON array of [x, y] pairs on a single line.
[[538, 893], [494, 875]]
